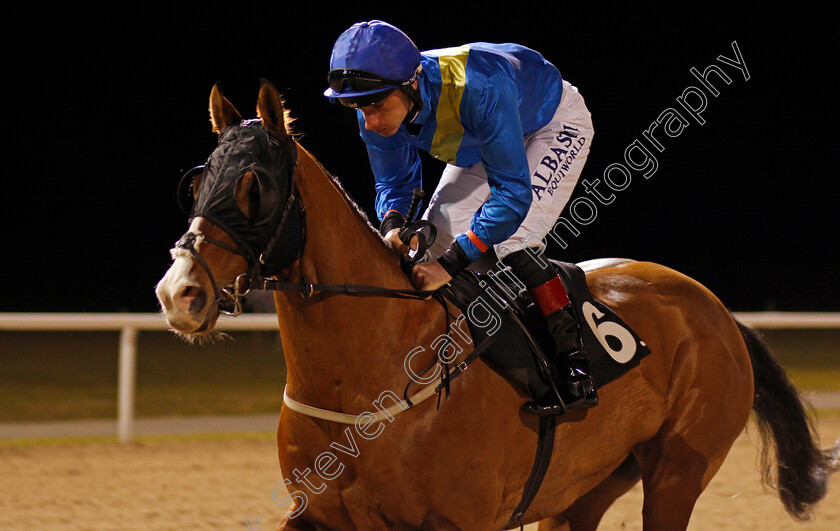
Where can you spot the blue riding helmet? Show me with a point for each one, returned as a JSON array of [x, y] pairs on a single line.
[[369, 61]]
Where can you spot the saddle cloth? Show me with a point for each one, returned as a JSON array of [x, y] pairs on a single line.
[[498, 311]]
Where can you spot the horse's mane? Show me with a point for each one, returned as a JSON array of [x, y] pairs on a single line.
[[352, 203], [346, 196], [289, 119]]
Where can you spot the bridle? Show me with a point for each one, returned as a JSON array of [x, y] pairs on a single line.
[[287, 238], [228, 297]]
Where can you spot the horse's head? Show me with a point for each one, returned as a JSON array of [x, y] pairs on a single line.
[[245, 215]]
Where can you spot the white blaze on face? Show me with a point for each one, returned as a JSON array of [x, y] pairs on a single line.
[[177, 289]]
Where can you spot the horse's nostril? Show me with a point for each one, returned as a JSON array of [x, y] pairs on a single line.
[[191, 298], [199, 300], [189, 292]]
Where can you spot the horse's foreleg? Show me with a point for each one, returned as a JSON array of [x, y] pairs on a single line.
[[585, 514], [291, 524]]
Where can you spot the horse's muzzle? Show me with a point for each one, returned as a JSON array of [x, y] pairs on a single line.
[[186, 304]]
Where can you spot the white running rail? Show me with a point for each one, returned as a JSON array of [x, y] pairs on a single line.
[[130, 324]]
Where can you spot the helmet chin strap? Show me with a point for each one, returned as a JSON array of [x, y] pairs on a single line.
[[414, 97], [416, 101]]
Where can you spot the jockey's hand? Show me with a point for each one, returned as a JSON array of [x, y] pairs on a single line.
[[393, 239], [429, 276]]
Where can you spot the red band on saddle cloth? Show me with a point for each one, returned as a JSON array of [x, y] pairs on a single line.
[[550, 297]]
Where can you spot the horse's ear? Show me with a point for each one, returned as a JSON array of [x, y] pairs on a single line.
[[270, 108], [222, 112]]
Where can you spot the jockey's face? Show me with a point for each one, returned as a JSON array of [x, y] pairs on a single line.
[[385, 117]]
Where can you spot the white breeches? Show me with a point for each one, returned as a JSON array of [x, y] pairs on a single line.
[[556, 156]]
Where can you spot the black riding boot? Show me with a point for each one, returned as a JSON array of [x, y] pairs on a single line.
[[566, 333], [574, 387]]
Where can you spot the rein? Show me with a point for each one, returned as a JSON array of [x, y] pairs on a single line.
[[229, 297], [308, 289]]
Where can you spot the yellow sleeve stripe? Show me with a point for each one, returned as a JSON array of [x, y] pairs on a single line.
[[450, 132]]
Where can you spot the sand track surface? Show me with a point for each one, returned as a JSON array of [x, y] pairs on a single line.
[[229, 482]]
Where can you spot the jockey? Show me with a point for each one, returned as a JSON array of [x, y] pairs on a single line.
[[515, 137]]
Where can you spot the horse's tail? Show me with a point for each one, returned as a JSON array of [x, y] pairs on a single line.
[[803, 469]]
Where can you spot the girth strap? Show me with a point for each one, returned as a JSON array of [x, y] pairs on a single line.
[[547, 424], [545, 447], [307, 289]]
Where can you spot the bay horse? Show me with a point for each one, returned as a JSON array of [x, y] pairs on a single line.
[[463, 463]]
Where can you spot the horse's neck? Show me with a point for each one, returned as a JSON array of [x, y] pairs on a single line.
[[341, 246], [350, 345]]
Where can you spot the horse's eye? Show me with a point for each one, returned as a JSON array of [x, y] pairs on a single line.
[[264, 200], [246, 194], [254, 203]]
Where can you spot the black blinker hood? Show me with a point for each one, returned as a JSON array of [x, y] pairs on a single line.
[[247, 146]]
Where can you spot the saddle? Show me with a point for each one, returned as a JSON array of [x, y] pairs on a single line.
[[508, 328]]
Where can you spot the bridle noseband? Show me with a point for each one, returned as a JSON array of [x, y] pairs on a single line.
[[229, 296]]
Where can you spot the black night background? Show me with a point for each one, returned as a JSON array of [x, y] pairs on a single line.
[[105, 109]]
